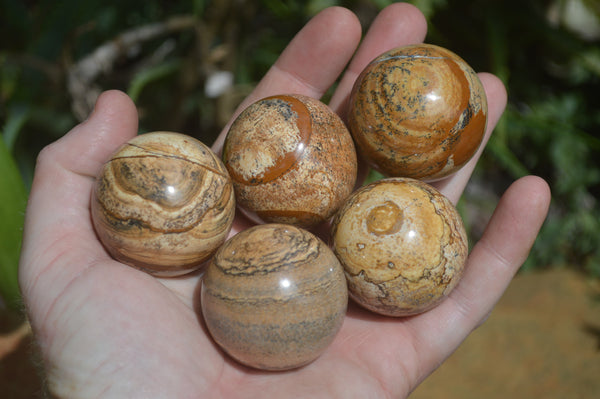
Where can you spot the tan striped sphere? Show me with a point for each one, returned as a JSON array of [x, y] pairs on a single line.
[[274, 297], [163, 203]]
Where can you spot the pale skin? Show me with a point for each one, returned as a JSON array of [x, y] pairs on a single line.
[[106, 330]]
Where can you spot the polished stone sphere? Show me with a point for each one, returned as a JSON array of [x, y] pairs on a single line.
[[402, 245], [163, 203], [292, 160], [418, 111], [274, 297]]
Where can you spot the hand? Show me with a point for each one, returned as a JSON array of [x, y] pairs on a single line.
[[107, 330]]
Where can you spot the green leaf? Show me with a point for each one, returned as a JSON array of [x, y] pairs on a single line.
[[507, 158], [15, 120], [149, 75], [13, 197], [313, 7], [427, 7]]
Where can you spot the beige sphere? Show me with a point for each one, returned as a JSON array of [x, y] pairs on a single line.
[[274, 297], [402, 245], [163, 203]]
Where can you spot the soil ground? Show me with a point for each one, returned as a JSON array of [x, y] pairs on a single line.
[[541, 341]]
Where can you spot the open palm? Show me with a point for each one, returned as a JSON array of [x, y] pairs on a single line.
[[107, 330]]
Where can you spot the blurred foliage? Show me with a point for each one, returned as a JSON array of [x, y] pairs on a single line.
[[13, 197], [547, 57]]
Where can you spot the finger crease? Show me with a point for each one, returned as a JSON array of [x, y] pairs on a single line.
[[300, 80]]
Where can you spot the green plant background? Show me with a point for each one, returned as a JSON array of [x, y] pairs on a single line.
[[550, 127]]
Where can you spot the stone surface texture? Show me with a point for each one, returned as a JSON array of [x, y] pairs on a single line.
[[274, 297], [402, 245], [163, 203], [291, 159], [418, 111]]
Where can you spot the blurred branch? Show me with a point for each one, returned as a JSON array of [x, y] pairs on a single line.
[[9, 342], [82, 75]]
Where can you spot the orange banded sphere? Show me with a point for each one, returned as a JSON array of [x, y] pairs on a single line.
[[291, 159], [418, 111]]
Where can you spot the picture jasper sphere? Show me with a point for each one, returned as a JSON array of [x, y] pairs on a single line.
[[402, 245], [274, 297], [163, 203], [291, 159], [418, 111]]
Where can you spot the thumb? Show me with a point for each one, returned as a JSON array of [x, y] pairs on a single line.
[[87, 146], [57, 218]]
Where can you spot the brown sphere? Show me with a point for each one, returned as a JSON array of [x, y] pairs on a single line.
[[402, 245], [163, 203], [291, 159], [418, 111], [274, 297]]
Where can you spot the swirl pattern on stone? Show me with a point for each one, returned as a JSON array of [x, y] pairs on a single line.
[[163, 203], [291, 159], [418, 111], [274, 297], [402, 245]]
